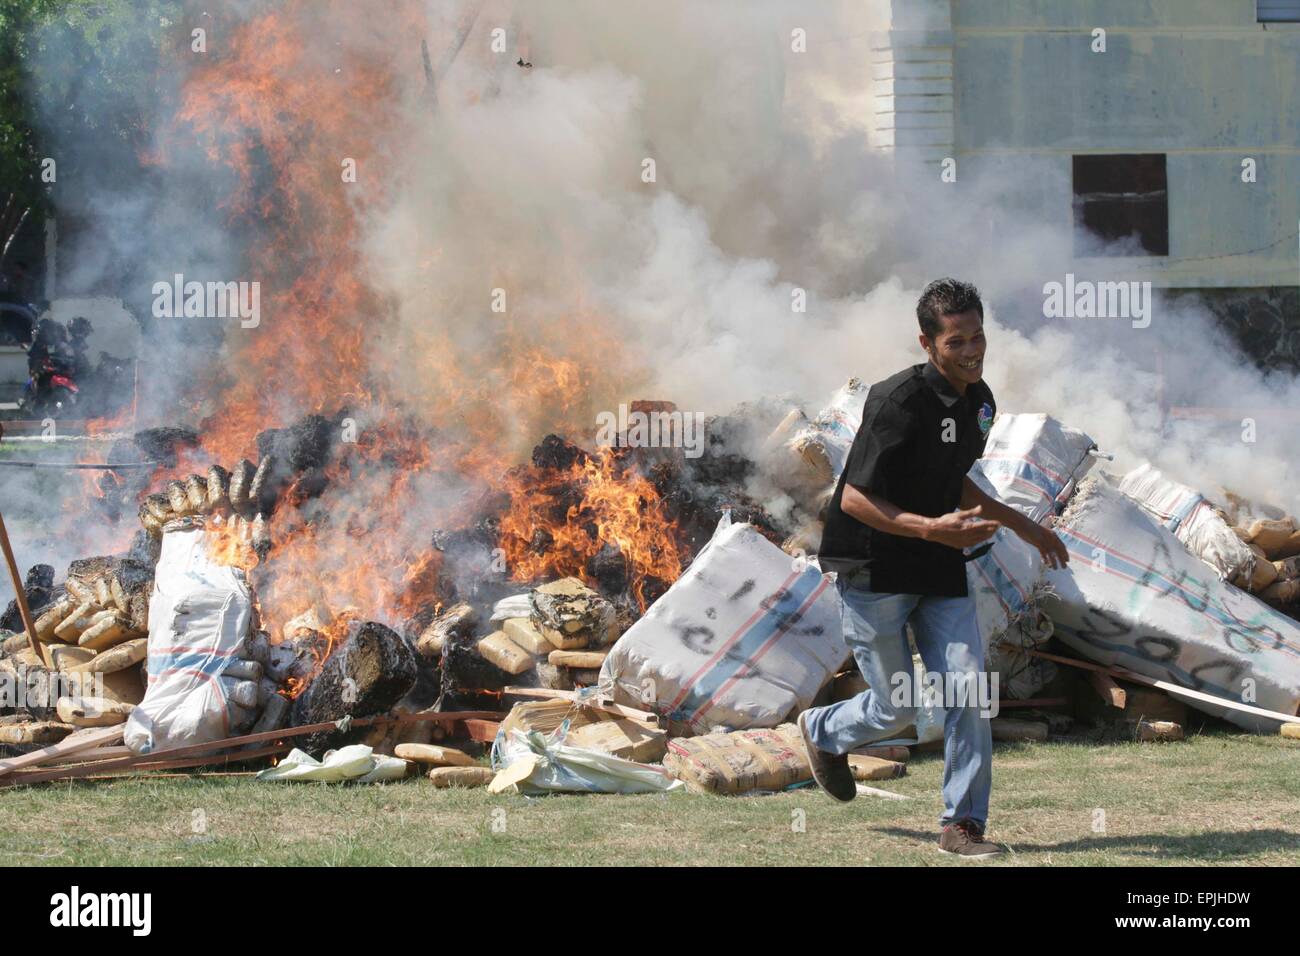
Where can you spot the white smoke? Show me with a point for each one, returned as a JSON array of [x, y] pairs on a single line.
[[765, 182]]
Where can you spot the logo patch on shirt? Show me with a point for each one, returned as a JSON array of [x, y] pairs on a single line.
[[985, 418]]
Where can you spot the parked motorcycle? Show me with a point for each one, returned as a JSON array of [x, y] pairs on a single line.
[[52, 390]]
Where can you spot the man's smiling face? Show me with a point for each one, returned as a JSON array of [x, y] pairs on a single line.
[[958, 349]]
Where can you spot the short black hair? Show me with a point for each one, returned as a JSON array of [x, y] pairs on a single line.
[[945, 297]]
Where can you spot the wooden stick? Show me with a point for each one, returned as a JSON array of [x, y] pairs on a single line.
[[73, 743], [168, 775], [877, 792], [21, 595], [1164, 685], [222, 759], [109, 737], [88, 756], [139, 763], [134, 765], [1107, 689]]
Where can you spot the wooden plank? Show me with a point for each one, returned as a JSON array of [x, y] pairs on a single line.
[[135, 765], [71, 744], [89, 756], [877, 792], [236, 756], [1173, 689], [482, 731], [113, 735], [173, 775], [20, 595], [1110, 692]]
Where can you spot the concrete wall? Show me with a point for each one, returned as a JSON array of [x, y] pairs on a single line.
[[1198, 80]]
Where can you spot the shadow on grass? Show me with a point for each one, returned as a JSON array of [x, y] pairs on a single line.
[[1219, 844]]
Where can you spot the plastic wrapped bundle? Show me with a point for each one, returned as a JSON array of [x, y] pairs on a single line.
[[1192, 519], [1032, 463], [740, 762], [1133, 596], [822, 446], [745, 638], [200, 616]]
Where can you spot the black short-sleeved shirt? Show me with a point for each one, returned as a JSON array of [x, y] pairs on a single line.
[[918, 439]]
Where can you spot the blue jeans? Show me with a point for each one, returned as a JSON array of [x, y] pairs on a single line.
[[947, 635]]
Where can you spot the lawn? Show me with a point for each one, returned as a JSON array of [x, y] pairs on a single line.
[[1216, 798]]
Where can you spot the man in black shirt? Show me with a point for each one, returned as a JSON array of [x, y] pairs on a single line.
[[902, 516]]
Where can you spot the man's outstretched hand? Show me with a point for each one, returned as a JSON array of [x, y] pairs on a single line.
[[1052, 548], [961, 529]]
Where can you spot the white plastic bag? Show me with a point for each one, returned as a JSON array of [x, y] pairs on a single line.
[[533, 763], [357, 763], [746, 637], [516, 605], [200, 614]]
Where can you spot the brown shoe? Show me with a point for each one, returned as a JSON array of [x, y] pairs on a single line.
[[965, 839], [831, 771]]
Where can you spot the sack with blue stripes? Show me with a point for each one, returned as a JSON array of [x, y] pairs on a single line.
[[200, 616], [746, 637], [1033, 463], [1135, 597]]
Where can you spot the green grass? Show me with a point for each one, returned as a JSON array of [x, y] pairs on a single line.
[[1218, 798]]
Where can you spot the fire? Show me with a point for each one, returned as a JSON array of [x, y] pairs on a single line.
[[544, 538], [230, 542], [282, 114], [319, 638], [436, 417]]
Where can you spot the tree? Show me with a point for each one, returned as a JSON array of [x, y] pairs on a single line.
[[20, 187], [78, 78]]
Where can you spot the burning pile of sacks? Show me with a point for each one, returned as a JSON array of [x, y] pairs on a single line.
[[1161, 583], [242, 496]]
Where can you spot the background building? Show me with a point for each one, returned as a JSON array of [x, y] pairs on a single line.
[[1177, 144]]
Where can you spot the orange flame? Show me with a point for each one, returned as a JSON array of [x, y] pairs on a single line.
[[280, 106], [616, 507]]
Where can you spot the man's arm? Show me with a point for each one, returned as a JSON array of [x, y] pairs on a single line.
[[958, 529], [1051, 547]]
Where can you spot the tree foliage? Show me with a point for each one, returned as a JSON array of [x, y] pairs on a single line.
[[78, 81]]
